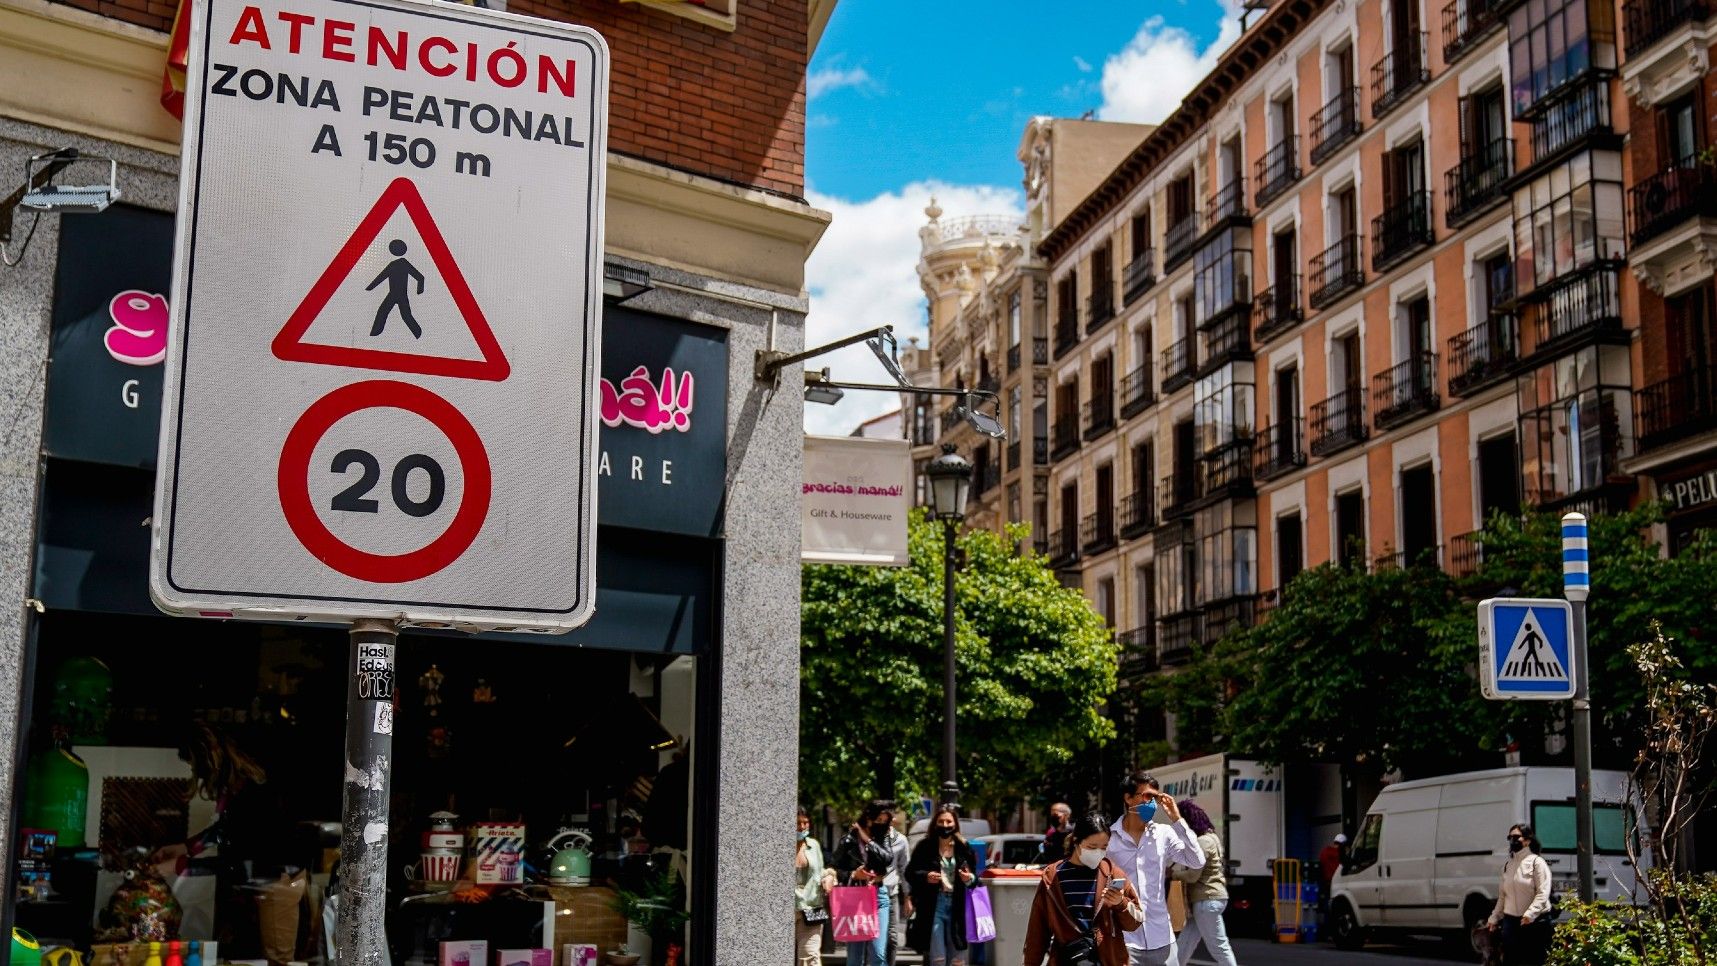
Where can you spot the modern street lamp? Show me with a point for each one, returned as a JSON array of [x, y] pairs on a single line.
[[950, 483]]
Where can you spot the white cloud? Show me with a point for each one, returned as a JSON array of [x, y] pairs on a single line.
[[1147, 80], [864, 274], [1081, 63], [834, 78]]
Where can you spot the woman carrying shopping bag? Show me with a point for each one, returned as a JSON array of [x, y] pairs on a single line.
[[939, 874], [811, 901], [1084, 905]]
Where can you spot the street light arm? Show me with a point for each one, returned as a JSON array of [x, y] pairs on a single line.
[[770, 362]]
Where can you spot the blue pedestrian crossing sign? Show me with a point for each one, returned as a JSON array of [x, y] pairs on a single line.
[[1526, 649]]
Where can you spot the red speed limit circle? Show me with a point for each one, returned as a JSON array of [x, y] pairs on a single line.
[[307, 525]]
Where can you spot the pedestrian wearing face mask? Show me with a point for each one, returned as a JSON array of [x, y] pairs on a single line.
[[1150, 837], [941, 870], [863, 858], [1084, 905], [1522, 901], [810, 896]]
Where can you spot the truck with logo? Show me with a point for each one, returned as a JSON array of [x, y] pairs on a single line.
[[1245, 801]]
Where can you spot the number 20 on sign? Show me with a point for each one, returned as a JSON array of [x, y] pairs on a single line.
[[383, 364]]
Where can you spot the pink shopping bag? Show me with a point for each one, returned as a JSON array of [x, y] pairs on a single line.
[[852, 911], [980, 920]]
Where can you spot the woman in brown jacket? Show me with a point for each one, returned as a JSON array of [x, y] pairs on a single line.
[[1084, 905]]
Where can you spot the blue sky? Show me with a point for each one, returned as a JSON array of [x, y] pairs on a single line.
[[909, 100]]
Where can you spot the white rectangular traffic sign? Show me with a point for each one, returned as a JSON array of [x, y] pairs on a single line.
[[1526, 649], [381, 384]]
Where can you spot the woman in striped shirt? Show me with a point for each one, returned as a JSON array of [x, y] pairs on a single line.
[[1084, 905]]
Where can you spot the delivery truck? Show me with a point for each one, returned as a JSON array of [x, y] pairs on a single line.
[[1245, 801]]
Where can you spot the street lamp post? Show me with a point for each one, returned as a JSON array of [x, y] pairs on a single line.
[[950, 483]]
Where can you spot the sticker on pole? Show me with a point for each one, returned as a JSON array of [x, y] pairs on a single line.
[[381, 375], [1526, 649]]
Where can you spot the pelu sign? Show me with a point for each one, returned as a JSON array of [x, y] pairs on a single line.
[[138, 336]]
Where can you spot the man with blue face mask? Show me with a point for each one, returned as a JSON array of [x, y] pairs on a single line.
[[1150, 837]]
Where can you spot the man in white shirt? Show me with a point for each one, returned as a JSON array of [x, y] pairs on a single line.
[[1148, 837]]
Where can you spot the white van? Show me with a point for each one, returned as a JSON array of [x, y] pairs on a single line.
[[1430, 853]]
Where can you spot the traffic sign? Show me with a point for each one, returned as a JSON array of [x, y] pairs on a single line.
[[381, 380], [1526, 649]]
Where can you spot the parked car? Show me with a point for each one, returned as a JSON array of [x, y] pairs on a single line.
[[1430, 853], [970, 828], [1016, 850]]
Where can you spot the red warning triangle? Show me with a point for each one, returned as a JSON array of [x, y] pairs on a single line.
[[290, 346]]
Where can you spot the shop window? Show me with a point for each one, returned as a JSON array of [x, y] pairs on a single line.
[[1569, 218]]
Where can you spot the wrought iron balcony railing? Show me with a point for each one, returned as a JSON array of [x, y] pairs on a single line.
[[1401, 230], [1063, 547], [1174, 492], [1645, 22], [1484, 354], [1040, 352], [1465, 23], [1335, 124], [986, 477], [1177, 241], [1280, 449], [1139, 275], [1573, 308], [1670, 197], [1229, 201], [1336, 271], [1676, 408], [1137, 392], [1476, 184], [1065, 434], [1228, 340], [1138, 653], [1339, 422], [1100, 305], [1405, 390], [1277, 170], [1179, 364], [1097, 531], [1466, 552], [1138, 513], [1570, 118], [1099, 412], [1179, 632], [1066, 332], [1226, 471], [1277, 309], [1401, 72]]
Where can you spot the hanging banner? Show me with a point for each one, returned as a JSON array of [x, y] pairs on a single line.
[[856, 498]]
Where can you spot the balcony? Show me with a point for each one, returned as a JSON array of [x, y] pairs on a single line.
[[1179, 632], [1138, 653], [1277, 170], [1572, 311], [1138, 513], [1063, 550], [986, 477], [1040, 545], [1222, 616], [1065, 434], [1672, 196], [1466, 552], [1405, 391], [1465, 24], [1279, 449], [1177, 241], [1100, 305], [1227, 204], [1139, 275], [1571, 119], [1645, 22], [988, 382], [1098, 415], [1040, 450], [1228, 339], [1336, 271], [1339, 422], [1175, 493], [1097, 532], [1277, 309], [1066, 332], [1401, 230], [1676, 408], [1335, 124], [1484, 354], [1226, 471], [1401, 72], [1477, 183], [1136, 391], [1179, 365]]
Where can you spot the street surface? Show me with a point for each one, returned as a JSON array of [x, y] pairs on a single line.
[[1259, 952]]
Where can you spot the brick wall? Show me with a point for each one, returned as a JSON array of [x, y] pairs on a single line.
[[730, 105]]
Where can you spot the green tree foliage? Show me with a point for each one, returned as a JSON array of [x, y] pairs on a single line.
[[1035, 664], [1379, 668]]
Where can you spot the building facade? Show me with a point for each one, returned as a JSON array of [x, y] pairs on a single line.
[[707, 236]]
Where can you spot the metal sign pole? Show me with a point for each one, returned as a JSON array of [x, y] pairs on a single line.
[[1576, 582], [359, 936]]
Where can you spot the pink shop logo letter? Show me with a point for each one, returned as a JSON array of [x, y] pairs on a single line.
[[139, 333], [654, 406]]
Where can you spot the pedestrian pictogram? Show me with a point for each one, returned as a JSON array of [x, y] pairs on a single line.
[[397, 275], [1526, 649]]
